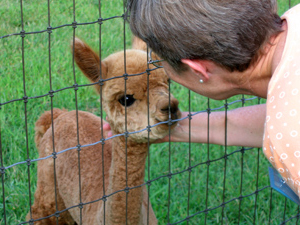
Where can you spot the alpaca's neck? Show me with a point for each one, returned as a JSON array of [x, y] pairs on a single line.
[[116, 205]]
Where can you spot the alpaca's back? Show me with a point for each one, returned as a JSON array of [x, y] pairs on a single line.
[[67, 163]]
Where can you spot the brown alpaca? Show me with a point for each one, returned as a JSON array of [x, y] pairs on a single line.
[[113, 162]]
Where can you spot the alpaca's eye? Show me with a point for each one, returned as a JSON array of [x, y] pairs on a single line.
[[128, 99]]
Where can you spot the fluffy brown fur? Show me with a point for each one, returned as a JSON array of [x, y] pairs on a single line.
[[108, 159], [138, 43]]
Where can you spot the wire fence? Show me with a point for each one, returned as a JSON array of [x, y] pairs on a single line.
[[187, 183]]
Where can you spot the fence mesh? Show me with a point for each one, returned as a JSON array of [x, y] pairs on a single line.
[[187, 183]]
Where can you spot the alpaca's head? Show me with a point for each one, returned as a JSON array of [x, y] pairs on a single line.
[[143, 93]]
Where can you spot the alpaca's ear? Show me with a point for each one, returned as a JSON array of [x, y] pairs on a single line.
[[139, 44], [88, 61]]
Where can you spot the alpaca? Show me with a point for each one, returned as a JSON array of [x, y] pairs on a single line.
[[103, 166]]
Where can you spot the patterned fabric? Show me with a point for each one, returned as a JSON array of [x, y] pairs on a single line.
[[282, 128]]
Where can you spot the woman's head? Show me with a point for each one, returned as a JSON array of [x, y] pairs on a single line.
[[230, 33]]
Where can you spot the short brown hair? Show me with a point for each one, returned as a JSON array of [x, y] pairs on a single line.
[[228, 32]]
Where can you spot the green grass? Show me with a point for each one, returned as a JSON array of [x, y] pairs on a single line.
[[242, 177]]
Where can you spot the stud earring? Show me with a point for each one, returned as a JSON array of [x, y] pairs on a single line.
[[201, 81]]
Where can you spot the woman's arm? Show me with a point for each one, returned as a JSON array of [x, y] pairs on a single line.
[[245, 127]]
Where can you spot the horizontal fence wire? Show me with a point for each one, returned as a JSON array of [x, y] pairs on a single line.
[[241, 197], [50, 29], [102, 141]]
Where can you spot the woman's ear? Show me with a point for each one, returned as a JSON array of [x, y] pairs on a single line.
[[198, 66]]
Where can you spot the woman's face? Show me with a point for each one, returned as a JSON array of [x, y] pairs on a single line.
[[215, 87]]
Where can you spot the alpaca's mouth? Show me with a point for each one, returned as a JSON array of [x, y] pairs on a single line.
[[168, 118], [166, 122]]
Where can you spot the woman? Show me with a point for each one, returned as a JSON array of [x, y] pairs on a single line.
[[224, 48]]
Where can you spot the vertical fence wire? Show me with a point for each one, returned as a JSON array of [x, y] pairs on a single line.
[[100, 22], [75, 87], [225, 161], [125, 89], [270, 206], [256, 186], [189, 158], [242, 172], [170, 171], [241, 184], [51, 102], [2, 174], [284, 211], [298, 215], [257, 178], [208, 111], [148, 142], [25, 98]]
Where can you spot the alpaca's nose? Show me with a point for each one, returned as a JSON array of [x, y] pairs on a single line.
[[167, 106]]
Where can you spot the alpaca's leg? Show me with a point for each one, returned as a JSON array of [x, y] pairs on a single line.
[[44, 198], [145, 216]]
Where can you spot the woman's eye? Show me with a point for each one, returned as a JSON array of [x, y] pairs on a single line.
[[128, 100]]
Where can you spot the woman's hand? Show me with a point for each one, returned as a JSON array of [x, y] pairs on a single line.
[[106, 127], [177, 135]]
